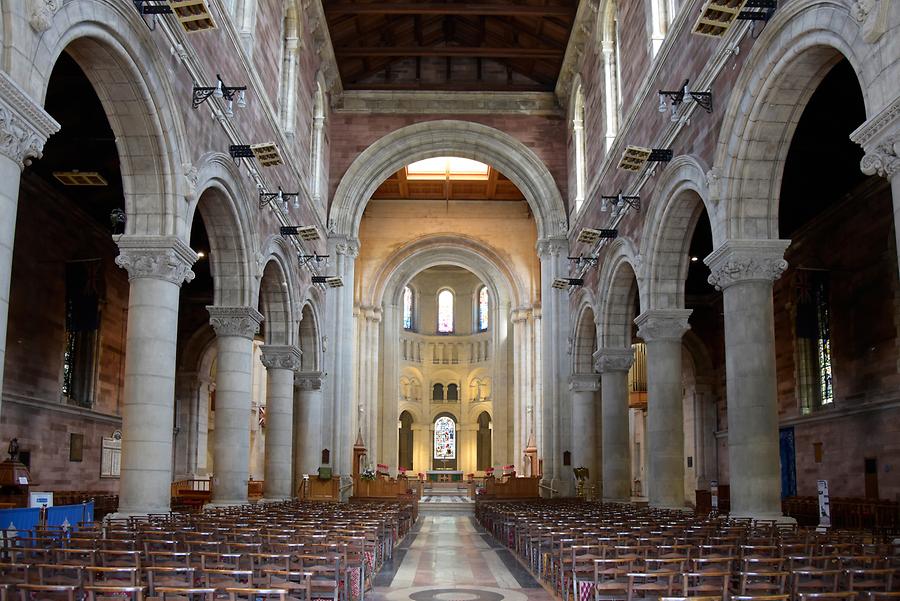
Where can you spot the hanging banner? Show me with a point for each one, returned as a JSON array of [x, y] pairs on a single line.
[[824, 505], [714, 494]]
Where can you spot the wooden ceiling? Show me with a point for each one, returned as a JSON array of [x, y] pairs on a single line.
[[512, 45], [495, 187]]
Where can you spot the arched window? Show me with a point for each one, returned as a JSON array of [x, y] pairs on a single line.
[[437, 392], [483, 308], [660, 17], [611, 71], [408, 308], [483, 459], [317, 148], [452, 392], [405, 458], [287, 94], [245, 23], [445, 312], [578, 143], [445, 438]]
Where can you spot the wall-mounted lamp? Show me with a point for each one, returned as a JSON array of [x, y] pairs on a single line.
[[281, 197], [220, 90], [589, 261], [620, 203], [686, 96], [566, 283], [305, 259]]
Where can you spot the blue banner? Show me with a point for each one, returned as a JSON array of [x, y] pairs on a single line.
[[28, 518], [788, 462]]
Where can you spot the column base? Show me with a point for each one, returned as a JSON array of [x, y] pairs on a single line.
[[218, 504], [274, 500]]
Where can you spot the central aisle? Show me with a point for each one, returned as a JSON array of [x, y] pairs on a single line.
[[450, 558]]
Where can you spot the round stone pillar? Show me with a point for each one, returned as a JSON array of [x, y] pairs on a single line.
[[281, 362], [880, 138], [613, 365], [661, 331], [744, 270], [235, 328], [24, 129], [585, 444], [157, 266], [308, 423]]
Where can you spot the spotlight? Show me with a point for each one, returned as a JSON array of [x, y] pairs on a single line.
[[308, 233], [589, 261], [267, 153], [332, 281], [304, 259], [634, 157], [621, 203], [565, 283], [685, 95], [220, 90], [193, 15], [592, 236]]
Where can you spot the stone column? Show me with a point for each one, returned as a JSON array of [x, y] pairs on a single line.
[[880, 138], [281, 362], [187, 390], [613, 365], [157, 267], [308, 423], [553, 253], [520, 428], [340, 423], [235, 328], [662, 330], [24, 129], [390, 385], [744, 270], [583, 388]]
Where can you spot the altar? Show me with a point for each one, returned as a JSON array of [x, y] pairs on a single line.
[[444, 476]]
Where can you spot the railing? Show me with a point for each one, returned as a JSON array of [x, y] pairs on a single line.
[[445, 350], [189, 485]]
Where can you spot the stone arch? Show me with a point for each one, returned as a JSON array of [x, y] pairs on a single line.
[[231, 228], [619, 277], [786, 64], [678, 202], [448, 137], [275, 302], [308, 335], [585, 335], [113, 48]]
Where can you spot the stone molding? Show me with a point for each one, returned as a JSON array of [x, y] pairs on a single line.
[[280, 357], [405, 102], [309, 380], [884, 160], [552, 247], [235, 321], [878, 127], [24, 124], [42, 13], [613, 359], [156, 257], [659, 325], [739, 261], [873, 15], [584, 382]]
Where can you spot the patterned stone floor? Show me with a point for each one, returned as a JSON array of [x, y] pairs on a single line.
[[446, 499], [450, 558]]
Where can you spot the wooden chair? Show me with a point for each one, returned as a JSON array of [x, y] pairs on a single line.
[[782, 597], [828, 596], [127, 576], [650, 585], [257, 594], [167, 593], [168, 577], [764, 583], [815, 581], [51, 574], [611, 578], [114, 593], [697, 598], [878, 579], [706, 583], [46, 592]]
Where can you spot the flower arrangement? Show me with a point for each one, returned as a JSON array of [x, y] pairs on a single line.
[[368, 474]]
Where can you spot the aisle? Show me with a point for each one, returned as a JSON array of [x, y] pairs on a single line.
[[448, 558]]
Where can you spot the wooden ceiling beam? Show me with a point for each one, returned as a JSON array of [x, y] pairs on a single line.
[[442, 8], [449, 51]]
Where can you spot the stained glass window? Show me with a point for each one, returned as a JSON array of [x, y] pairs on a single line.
[[813, 342], [445, 438], [408, 308], [483, 309], [445, 311]]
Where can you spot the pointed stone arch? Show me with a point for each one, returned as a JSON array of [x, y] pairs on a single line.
[[448, 137]]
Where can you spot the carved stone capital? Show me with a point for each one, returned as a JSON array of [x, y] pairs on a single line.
[[584, 382], [746, 261], [347, 247], [309, 380], [663, 324], [24, 124], [552, 247], [235, 321], [613, 359], [156, 257], [280, 357], [873, 15], [42, 13], [884, 159]]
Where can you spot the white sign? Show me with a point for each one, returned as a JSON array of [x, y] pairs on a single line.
[[110, 457], [23, 480], [40, 499], [824, 505], [714, 493]]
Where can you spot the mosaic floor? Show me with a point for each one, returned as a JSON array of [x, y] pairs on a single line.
[[449, 558]]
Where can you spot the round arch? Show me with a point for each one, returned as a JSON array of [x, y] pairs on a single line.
[[275, 303], [792, 56], [232, 232], [585, 335], [679, 200], [448, 137], [308, 339], [619, 278], [114, 50]]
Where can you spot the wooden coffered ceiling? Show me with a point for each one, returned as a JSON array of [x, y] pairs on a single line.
[[495, 187], [494, 45]]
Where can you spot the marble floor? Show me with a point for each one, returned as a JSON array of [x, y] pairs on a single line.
[[450, 558]]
